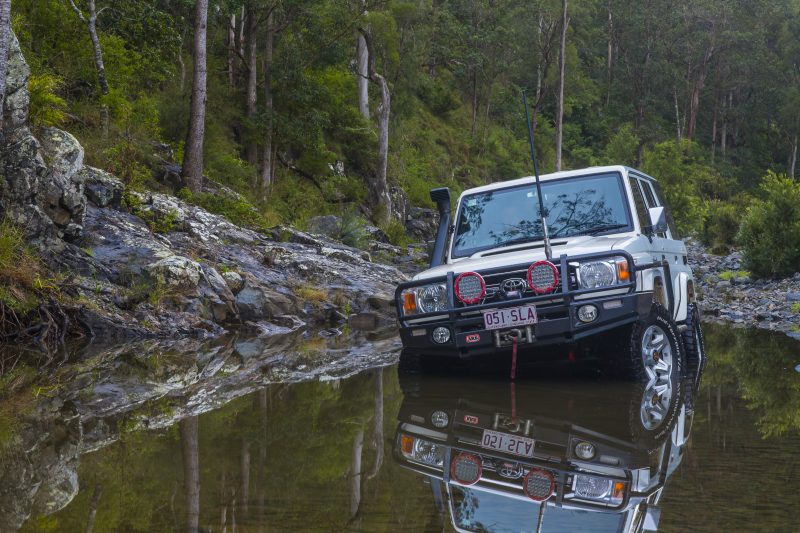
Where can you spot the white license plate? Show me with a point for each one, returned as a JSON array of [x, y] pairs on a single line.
[[503, 442], [510, 317]]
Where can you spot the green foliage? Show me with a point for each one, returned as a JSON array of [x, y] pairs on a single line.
[[683, 175], [22, 277], [623, 147], [353, 231], [734, 274], [770, 231], [47, 108], [237, 210], [396, 233], [721, 224], [796, 307]]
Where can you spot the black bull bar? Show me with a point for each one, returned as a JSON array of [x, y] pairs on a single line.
[[558, 320]]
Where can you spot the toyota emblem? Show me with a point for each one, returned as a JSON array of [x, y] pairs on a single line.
[[513, 285]]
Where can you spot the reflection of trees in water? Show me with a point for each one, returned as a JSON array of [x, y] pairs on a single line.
[[761, 364]]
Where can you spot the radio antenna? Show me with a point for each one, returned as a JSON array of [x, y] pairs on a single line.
[[548, 251]]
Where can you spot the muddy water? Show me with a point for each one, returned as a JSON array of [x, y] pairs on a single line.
[[327, 455]]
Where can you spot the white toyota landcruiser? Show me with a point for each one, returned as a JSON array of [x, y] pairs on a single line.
[[615, 264]]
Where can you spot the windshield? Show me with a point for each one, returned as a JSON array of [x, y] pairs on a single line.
[[584, 205], [486, 512]]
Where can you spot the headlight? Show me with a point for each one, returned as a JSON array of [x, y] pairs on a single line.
[[595, 274], [598, 489], [422, 451], [424, 299]]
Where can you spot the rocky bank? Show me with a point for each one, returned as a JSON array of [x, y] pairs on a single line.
[[727, 294], [143, 265]]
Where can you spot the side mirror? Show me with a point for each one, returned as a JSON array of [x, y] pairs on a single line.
[[658, 220]]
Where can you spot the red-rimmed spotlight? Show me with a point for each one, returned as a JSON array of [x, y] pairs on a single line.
[[470, 287], [466, 469], [539, 484], [543, 277]]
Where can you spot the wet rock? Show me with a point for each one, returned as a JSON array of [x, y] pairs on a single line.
[[364, 321], [421, 223], [233, 280], [175, 271], [329, 225], [258, 303], [101, 188]]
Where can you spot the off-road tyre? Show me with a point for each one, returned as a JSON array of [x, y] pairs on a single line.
[[656, 361], [694, 346]]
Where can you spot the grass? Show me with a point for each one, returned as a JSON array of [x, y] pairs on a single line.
[[313, 295], [153, 292], [796, 307], [728, 275]]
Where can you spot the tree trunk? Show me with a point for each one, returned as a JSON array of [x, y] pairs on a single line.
[[232, 51], [793, 159], [610, 58], [362, 56], [377, 429], [267, 163], [5, 40], [677, 115], [252, 81], [244, 489], [91, 24], [355, 472], [378, 186], [193, 154], [562, 65], [182, 66], [191, 471], [96, 493]]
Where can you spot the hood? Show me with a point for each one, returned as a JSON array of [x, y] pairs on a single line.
[[517, 254]]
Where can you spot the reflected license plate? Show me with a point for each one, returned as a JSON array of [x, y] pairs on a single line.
[[510, 317], [503, 442]]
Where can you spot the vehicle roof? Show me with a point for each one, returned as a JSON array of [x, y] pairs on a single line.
[[553, 176]]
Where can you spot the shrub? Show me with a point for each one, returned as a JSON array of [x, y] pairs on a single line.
[[770, 231], [720, 225], [46, 108]]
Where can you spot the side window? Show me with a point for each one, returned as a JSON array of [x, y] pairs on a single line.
[[648, 193], [638, 200]]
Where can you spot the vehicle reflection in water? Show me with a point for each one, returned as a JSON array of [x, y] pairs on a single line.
[[542, 456]]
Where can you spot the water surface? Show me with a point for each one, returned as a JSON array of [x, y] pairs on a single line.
[[320, 456]]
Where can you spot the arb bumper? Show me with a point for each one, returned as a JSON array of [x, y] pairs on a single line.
[[557, 312]]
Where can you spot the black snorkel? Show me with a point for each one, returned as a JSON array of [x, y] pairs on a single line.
[[548, 251], [442, 199]]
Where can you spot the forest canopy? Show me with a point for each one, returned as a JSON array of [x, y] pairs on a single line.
[[704, 95]]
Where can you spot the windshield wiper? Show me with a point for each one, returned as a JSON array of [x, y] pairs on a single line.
[[520, 240], [601, 229]]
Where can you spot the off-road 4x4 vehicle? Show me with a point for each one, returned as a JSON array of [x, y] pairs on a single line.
[[609, 260]]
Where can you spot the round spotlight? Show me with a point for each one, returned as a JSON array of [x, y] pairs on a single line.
[[584, 450], [466, 469], [470, 287], [539, 485], [440, 419], [441, 335], [543, 277], [587, 313]]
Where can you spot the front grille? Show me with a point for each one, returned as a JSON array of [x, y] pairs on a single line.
[[495, 292]]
